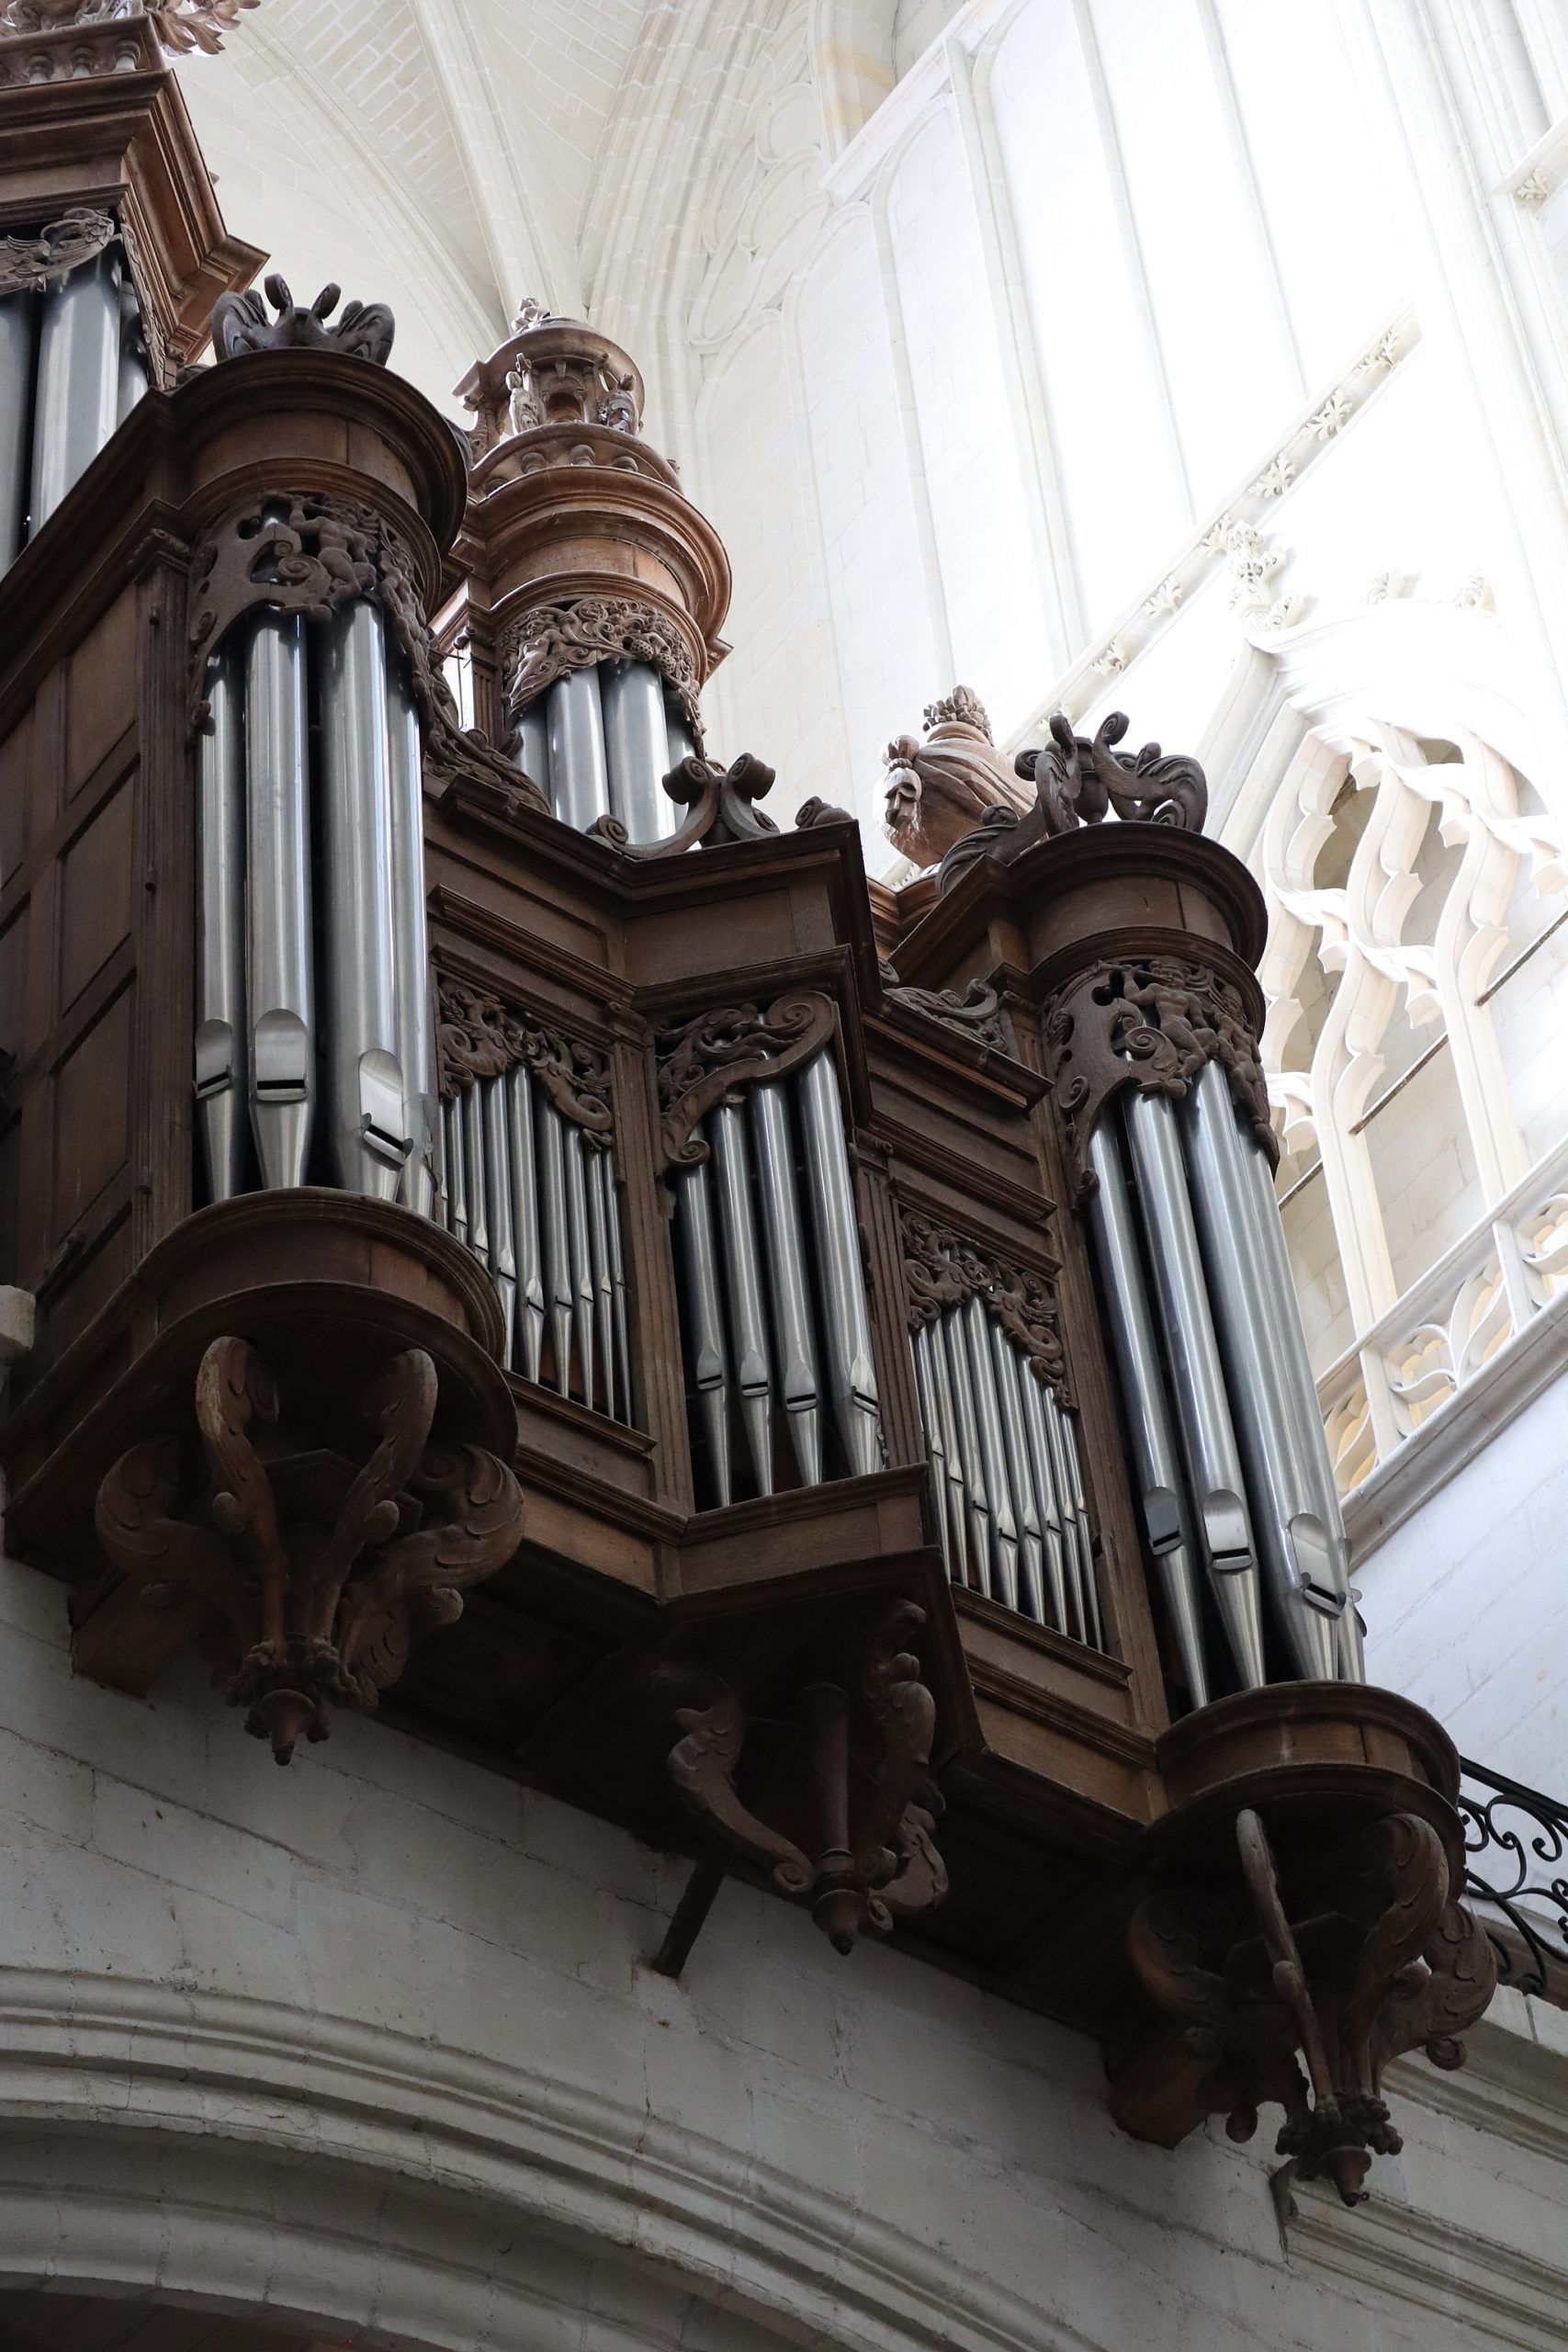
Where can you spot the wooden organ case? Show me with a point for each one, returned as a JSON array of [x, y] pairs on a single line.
[[805, 1370]]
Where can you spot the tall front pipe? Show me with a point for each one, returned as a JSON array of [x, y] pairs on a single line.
[[580, 1251], [1032, 1547], [846, 1319], [77, 400], [365, 1106], [520, 1152], [1052, 1505], [703, 1319], [18, 338], [977, 1494], [278, 943], [793, 1340], [580, 788], [636, 746], [988, 1427], [553, 1233], [743, 1286], [410, 936], [531, 746], [1145, 1409], [220, 1032], [1208, 1435], [131, 379], [497, 1202]]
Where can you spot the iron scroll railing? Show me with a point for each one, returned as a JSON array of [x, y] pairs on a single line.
[[1516, 1875]]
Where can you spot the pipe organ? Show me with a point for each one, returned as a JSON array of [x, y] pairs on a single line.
[[806, 1369]]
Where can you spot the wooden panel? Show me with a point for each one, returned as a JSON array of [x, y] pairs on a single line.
[[16, 1037], [15, 754], [101, 696], [94, 894], [91, 1113]]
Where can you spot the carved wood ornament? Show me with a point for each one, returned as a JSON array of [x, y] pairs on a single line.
[[181, 24], [709, 1059], [940, 790], [240, 323], [321, 1575], [1150, 1021], [943, 1270], [872, 1860], [722, 802], [28, 263], [478, 1037], [1385, 1963], [552, 641], [977, 1013], [1078, 780], [307, 554]]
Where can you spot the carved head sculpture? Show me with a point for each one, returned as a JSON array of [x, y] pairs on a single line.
[[941, 790]]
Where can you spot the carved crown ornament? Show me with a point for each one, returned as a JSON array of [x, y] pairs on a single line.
[[1369, 1960], [307, 554], [552, 641], [478, 1037], [552, 371], [938, 791], [713, 1057], [30, 262], [943, 1270], [240, 323], [181, 25], [319, 1574], [1081, 780], [1151, 1022], [871, 1861]]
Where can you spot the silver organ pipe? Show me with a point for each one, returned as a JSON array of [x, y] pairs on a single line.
[[601, 742], [743, 1287], [703, 1315], [455, 1161], [497, 1144], [363, 1080], [411, 941], [1020, 1479], [523, 1159], [794, 1339], [132, 377], [846, 1320], [531, 746], [76, 393], [18, 338], [579, 1256], [580, 788], [554, 1242], [637, 748], [222, 1094], [989, 1429], [280, 978], [955, 1361]]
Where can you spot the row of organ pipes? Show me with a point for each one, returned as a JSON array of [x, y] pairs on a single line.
[[1241, 1519], [535, 1197], [601, 741], [313, 1042], [73, 364], [782, 1382]]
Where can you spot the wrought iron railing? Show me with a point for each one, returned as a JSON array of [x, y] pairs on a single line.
[[1516, 1874]]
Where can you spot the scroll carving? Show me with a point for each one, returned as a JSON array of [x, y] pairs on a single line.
[[940, 790], [1379, 1961], [319, 1574], [240, 323], [478, 1037], [307, 554], [722, 802], [1079, 780], [181, 25], [1153, 1023], [552, 641], [977, 1013], [27, 263], [943, 1270], [708, 1060], [872, 1859]]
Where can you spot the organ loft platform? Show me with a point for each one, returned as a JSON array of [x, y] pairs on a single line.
[[520, 1241]]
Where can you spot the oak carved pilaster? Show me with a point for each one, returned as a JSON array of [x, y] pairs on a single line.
[[943, 1270], [713, 1056], [318, 1574], [1151, 1022], [479, 1037], [870, 1860], [309, 553], [1303, 1992]]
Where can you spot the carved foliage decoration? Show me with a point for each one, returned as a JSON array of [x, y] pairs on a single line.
[[938, 791], [943, 1270], [552, 641], [478, 1037], [872, 1860], [1381, 1962], [307, 554], [321, 1574], [722, 805], [1151, 1022], [240, 323], [977, 1013], [29, 262], [1078, 780], [181, 24], [708, 1060]]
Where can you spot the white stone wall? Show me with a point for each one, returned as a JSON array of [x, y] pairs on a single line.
[[442, 2101]]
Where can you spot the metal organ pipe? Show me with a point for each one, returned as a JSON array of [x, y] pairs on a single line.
[[704, 1320], [579, 786], [531, 746], [19, 335], [131, 379], [76, 397], [411, 958], [222, 1111], [522, 1154], [364, 1100], [846, 1319], [282, 1000], [743, 1286], [497, 1200], [636, 746], [795, 1342]]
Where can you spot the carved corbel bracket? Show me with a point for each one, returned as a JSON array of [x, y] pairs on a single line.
[[1150, 1021], [712, 1057], [943, 1270], [29, 263], [308, 553], [1300, 1993], [240, 323], [550, 641], [722, 803], [318, 1574], [870, 1860], [478, 1037]]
